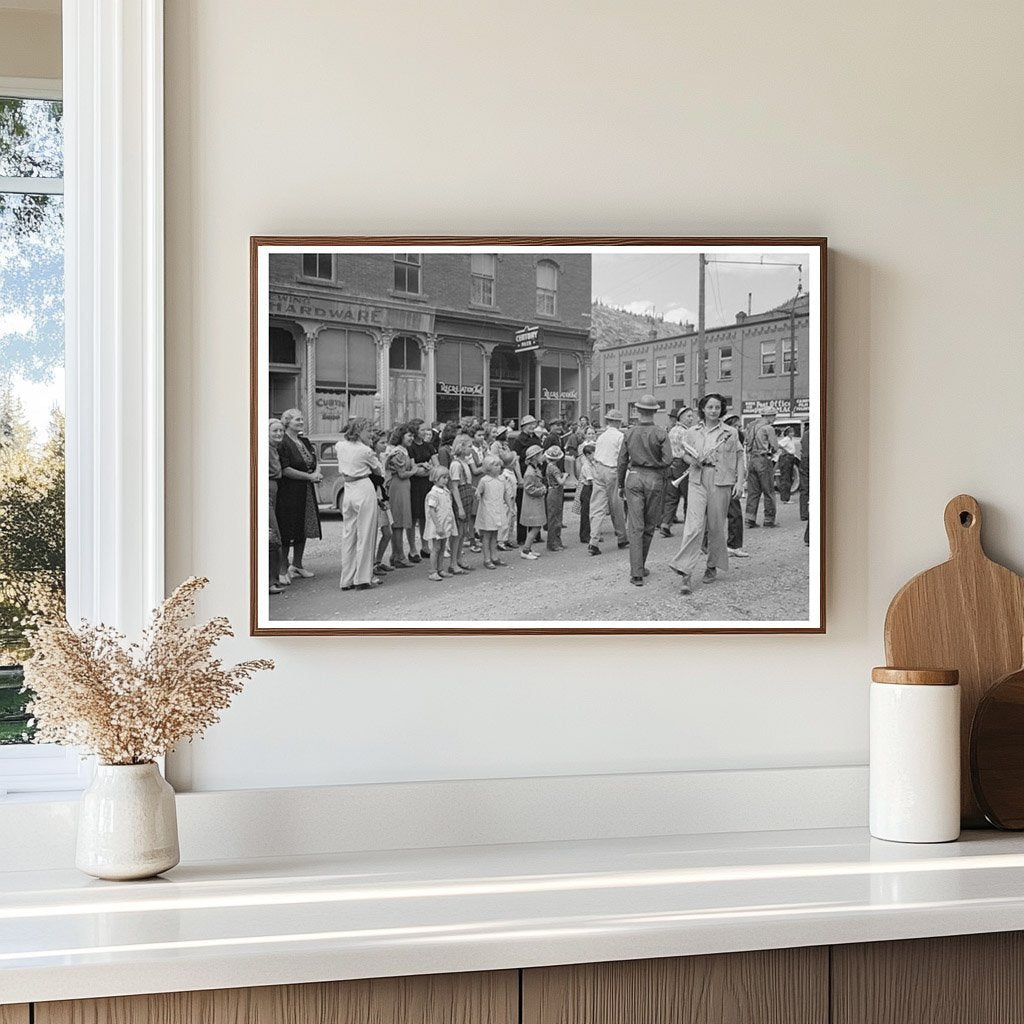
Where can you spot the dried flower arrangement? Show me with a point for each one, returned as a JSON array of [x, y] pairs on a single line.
[[129, 704]]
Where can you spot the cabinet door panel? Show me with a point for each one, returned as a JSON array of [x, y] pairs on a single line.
[[14, 1014], [960, 979], [779, 986], [483, 998]]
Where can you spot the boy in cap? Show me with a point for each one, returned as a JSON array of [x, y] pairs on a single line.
[[555, 499]]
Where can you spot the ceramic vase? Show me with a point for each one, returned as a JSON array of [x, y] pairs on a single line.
[[127, 825]]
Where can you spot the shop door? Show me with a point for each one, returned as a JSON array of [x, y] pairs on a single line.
[[505, 403], [408, 396]]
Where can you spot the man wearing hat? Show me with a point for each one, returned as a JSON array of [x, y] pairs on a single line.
[[685, 418], [644, 459], [762, 448], [604, 499], [734, 542], [526, 439]]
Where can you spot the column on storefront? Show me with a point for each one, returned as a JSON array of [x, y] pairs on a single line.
[[310, 331], [430, 357], [538, 356], [487, 347], [383, 340]]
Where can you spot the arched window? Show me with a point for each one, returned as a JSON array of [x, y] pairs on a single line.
[[547, 288], [404, 354]]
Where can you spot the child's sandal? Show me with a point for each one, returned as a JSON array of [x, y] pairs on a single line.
[[490, 565], [436, 577]]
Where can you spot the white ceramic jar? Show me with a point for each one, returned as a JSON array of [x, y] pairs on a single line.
[[127, 823], [915, 755]]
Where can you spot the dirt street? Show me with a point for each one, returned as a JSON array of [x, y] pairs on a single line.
[[569, 585]]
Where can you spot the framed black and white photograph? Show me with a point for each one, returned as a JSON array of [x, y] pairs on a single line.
[[537, 435]]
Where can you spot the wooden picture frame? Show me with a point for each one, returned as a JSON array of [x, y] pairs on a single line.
[[320, 301]]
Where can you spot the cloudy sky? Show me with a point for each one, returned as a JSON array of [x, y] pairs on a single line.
[[667, 284]]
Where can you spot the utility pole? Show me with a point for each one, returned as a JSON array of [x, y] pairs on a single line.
[[792, 343], [701, 353]]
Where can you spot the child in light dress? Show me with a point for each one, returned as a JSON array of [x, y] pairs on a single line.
[[440, 526], [491, 509], [507, 532]]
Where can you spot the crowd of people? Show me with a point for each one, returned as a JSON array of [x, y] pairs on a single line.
[[440, 494]]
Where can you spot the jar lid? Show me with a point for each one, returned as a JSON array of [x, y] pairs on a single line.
[[916, 676]]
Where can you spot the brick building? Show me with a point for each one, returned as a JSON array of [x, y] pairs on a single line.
[[747, 361], [393, 336]]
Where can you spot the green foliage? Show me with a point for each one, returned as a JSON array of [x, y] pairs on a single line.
[[31, 525]]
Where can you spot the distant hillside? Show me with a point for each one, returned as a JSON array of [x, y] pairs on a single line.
[[617, 327]]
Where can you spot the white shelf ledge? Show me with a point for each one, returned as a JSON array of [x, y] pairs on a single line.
[[388, 913]]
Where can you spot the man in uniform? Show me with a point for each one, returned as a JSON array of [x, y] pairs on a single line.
[[685, 418], [762, 447], [644, 459], [604, 499]]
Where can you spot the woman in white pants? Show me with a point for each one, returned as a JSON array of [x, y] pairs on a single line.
[[356, 461], [712, 451]]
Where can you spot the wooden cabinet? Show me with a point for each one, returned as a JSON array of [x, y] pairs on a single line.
[[967, 979], [777, 986], [491, 998], [962, 979]]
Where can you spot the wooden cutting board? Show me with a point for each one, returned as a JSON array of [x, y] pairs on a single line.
[[967, 614]]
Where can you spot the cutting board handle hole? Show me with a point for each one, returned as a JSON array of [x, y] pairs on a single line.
[[966, 519]]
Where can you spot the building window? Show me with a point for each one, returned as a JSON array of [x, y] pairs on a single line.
[[405, 354], [661, 371], [627, 375], [460, 380], [481, 268], [679, 369], [547, 288], [641, 373], [611, 381], [318, 264], [787, 353], [346, 380], [407, 272], [282, 347], [767, 358], [725, 363], [559, 386]]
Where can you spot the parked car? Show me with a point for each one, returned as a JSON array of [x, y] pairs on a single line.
[[330, 489]]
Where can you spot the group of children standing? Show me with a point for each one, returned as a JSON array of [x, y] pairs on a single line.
[[465, 515]]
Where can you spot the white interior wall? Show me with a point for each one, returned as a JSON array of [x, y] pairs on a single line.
[[30, 40], [894, 129]]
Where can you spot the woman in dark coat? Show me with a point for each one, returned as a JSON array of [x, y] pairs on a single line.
[[421, 453], [298, 517]]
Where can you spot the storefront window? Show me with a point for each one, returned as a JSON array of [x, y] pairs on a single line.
[[346, 380], [559, 386], [460, 380]]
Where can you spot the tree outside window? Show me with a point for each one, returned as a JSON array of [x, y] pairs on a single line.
[[32, 573]]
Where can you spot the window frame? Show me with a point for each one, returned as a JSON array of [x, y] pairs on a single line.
[[722, 357], [417, 262], [774, 354], [485, 278], [641, 373], [112, 91], [791, 354], [661, 371], [547, 292], [627, 374], [317, 277], [679, 368]]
